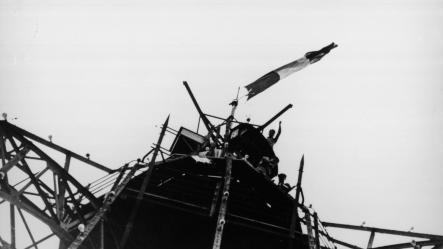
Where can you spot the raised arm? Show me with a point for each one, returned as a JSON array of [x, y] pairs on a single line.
[[278, 132]]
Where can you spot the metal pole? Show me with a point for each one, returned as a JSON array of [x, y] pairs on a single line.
[[99, 216], [215, 198], [309, 229], [12, 215], [224, 204], [143, 187], [17, 130], [203, 117], [263, 126], [221, 220], [27, 227], [102, 234], [294, 217], [300, 175], [371, 239], [317, 236], [382, 230]]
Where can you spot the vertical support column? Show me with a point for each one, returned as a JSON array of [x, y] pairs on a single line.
[[221, 220], [12, 220], [294, 217], [62, 189], [309, 229], [56, 196], [317, 236], [3, 149], [371, 239], [215, 198], [102, 234], [3, 156], [143, 187]]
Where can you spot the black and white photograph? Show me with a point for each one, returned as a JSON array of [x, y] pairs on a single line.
[[221, 124]]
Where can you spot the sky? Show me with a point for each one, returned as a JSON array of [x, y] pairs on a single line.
[[102, 76]]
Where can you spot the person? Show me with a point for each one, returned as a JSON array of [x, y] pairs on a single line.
[[205, 153], [271, 139], [286, 187], [268, 166]]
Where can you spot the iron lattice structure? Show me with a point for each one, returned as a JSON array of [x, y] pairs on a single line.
[[56, 203], [76, 211]]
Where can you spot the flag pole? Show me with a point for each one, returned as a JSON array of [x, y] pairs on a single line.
[[234, 105], [221, 220]]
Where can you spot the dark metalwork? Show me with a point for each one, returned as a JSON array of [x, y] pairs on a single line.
[[221, 220], [143, 187], [311, 241], [295, 217], [40, 240], [27, 228], [102, 234], [416, 244], [215, 199], [209, 126], [55, 146], [233, 121], [181, 183], [371, 240], [108, 200], [385, 231], [60, 205], [317, 235], [263, 126], [24, 203], [12, 220]]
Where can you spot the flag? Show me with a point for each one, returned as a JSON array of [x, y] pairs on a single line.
[[273, 77]]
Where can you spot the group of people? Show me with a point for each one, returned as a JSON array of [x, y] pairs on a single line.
[[268, 165]]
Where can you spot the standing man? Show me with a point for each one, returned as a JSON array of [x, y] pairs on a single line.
[[271, 139], [282, 184]]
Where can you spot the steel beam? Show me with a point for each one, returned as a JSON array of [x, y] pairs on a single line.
[[215, 198], [317, 235], [431, 242], [34, 181], [37, 176], [371, 240], [143, 186], [57, 169], [221, 220], [12, 196], [62, 187], [41, 240], [27, 228], [17, 158], [6, 125], [311, 241], [99, 216], [12, 222], [294, 216], [382, 230], [263, 126], [209, 126]]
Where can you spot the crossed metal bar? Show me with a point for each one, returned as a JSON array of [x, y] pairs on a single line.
[[432, 239], [19, 149]]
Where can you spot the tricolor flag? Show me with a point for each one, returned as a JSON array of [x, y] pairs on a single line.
[[273, 77]]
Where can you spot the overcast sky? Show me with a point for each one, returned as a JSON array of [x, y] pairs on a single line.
[[101, 76]]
